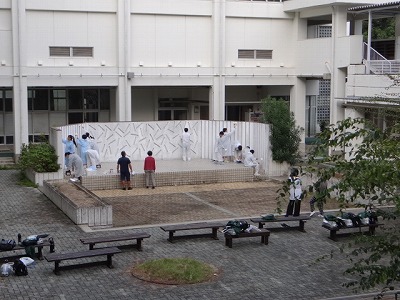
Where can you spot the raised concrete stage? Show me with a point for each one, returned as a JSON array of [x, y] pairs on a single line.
[[170, 173]]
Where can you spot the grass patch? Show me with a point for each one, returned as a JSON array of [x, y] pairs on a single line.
[[174, 271], [24, 181]]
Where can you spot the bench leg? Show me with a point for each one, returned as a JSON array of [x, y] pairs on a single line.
[[301, 225], [109, 260], [171, 236], [40, 253], [264, 239], [372, 230], [91, 246], [51, 241], [139, 244], [228, 242], [214, 233], [57, 267], [260, 225], [332, 234]]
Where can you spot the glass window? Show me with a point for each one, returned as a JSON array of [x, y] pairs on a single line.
[[2, 140], [104, 99], [30, 100], [91, 117], [9, 139], [91, 98], [41, 99], [75, 99], [74, 118], [1, 102], [58, 100], [8, 103], [164, 115]]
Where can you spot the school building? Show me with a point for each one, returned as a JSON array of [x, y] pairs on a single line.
[[85, 61]]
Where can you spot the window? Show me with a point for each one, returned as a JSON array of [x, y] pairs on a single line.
[[71, 51], [58, 100], [254, 54]]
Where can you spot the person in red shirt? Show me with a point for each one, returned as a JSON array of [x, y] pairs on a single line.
[[150, 169]]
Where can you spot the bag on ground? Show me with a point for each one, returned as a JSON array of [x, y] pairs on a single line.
[[19, 268], [6, 245], [6, 269]]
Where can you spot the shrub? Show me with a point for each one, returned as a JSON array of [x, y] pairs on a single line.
[[40, 157], [285, 134]]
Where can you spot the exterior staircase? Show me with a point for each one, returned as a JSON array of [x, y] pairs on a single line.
[[6, 158]]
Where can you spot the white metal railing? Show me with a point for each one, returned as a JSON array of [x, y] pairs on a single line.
[[378, 64]]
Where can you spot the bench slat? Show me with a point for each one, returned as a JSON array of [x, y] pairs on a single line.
[[264, 233], [193, 226], [115, 238], [81, 254], [202, 225]]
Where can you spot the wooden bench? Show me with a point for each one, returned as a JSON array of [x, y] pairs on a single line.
[[139, 236], [264, 233], [333, 235], [59, 257], [38, 250], [171, 229], [301, 219]]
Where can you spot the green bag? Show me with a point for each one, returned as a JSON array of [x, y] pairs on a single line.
[[269, 217]]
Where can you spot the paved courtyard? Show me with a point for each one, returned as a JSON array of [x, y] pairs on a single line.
[[284, 269]]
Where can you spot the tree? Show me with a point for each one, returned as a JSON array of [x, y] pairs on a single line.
[[285, 134], [370, 173]]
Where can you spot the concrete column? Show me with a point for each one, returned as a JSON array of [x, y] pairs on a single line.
[[217, 93], [338, 76], [298, 107], [123, 109], [20, 93], [397, 38]]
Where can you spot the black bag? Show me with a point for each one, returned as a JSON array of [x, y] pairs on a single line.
[[27, 242], [19, 268], [7, 245]]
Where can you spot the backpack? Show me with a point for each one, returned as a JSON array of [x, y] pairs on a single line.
[[6, 245], [19, 268], [235, 227]]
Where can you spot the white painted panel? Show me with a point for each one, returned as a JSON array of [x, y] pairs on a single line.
[[198, 41], [143, 40], [5, 20], [170, 41]]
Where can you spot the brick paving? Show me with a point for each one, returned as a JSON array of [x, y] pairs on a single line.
[[284, 269]]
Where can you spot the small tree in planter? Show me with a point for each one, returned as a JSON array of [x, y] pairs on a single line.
[[40, 157], [285, 134]]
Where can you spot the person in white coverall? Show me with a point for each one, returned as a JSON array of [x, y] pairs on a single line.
[[251, 161], [75, 164], [185, 144]]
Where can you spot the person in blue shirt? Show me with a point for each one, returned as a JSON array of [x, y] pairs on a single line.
[[84, 145], [70, 146]]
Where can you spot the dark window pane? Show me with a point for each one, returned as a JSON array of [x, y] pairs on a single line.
[[75, 99], [58, 100], [8, 103], [91, 98], [1, 102], [2, 140], [164, 115], [41, 99], [30, 100], [74, 118], [104, 99], [30, 138], [91, 117], [9, 139]]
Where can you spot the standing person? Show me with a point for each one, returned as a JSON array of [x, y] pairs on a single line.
[[251, 161], [150, 169], [124, 167], [93, 153], [220, 144], [70, 146], [84, 145], [75, 164], [295, 194], [185, 144], [321, 192], [227, 143]]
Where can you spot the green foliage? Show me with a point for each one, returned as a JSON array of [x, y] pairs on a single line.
[[285, 135], [381, 29], [40, 157], [369, 173], [24, 181]]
